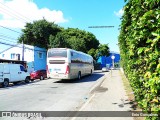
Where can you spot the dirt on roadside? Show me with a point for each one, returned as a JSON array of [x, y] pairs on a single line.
[[130, 94]]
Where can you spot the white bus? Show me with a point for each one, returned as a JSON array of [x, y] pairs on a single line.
[[64, 63]]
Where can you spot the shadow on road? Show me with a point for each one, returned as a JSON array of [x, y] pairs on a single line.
[[130, 102], [100, 71], [92, 78], [89, 78], [21, 83]]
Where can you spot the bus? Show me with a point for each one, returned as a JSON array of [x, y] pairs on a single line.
[[65, 63]]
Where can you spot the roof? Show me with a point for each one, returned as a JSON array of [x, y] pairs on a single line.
[[113, 52], [35, 48], [9, 48], [11, 61]]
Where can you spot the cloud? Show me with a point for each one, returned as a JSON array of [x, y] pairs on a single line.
[[15, 13], [119, 13]]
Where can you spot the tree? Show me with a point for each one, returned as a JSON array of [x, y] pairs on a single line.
[[103, 50], [57, 41], [38, 33], [77, 44], [46, 34], [94, 53], [91, 41], [79, 39]]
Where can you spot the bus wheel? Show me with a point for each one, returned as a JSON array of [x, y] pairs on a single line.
[[5, 83], [91, 72], [79, 75]]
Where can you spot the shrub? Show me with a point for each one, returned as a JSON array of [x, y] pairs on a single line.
[[139, 42]]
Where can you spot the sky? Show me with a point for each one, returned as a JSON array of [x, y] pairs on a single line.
[[81, 14]]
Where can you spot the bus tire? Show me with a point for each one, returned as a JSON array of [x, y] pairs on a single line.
[[5, 83], [91, 72], [79, 75]]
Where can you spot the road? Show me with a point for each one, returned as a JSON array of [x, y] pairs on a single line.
[[48, 95]]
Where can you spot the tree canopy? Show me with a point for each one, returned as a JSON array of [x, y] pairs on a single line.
[[102, 50], [47, 35], [79, 39], [38, 33]]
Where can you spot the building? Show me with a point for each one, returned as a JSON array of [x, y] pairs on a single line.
[[107, 61], [34, 56]]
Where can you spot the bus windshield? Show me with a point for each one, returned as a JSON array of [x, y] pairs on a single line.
[[57, 53]]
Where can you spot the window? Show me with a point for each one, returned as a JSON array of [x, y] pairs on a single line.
[[17, 56], [22, 68], [13, 55], [40, 55], [57, 53]]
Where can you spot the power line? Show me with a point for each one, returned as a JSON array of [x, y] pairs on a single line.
[[13, 16], [16, 45], [4, 43], [2, 38], [10, 29], [14, 13], [6, 36]]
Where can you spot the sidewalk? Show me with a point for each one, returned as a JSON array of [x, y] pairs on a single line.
[[109, 96]]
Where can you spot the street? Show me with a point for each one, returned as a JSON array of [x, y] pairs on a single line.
[[48, 94], [64, 100]]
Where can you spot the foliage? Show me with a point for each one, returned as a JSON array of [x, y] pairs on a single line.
[[94, 53], [57, 41], [38, 33], [139, 42], [46, 34], [103, 50], [79, 39]]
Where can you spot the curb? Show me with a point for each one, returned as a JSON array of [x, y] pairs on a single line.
[[99, 82], [91, 96]]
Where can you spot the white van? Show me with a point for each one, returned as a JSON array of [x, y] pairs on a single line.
[[13, 73]]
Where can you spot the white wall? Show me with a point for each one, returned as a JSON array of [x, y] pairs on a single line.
[[28, 54]]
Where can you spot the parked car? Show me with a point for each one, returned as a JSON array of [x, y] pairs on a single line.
[[38, 74], [105, 69], [13, 73]]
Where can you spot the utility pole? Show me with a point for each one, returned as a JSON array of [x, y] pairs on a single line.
[[22, 51], [113, 57]]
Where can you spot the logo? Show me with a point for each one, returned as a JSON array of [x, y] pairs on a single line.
[[6, 114]]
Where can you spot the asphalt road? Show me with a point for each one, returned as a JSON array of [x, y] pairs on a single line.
[[48, 94]]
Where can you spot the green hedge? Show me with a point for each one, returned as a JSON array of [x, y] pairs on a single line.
[[139, 42]]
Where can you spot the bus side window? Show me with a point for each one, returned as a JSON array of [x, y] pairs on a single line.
[[71, 53]]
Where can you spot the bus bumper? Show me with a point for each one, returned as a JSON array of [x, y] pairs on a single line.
[[58, 76]]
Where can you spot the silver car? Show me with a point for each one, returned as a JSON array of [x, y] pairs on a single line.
[[105, 69]]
